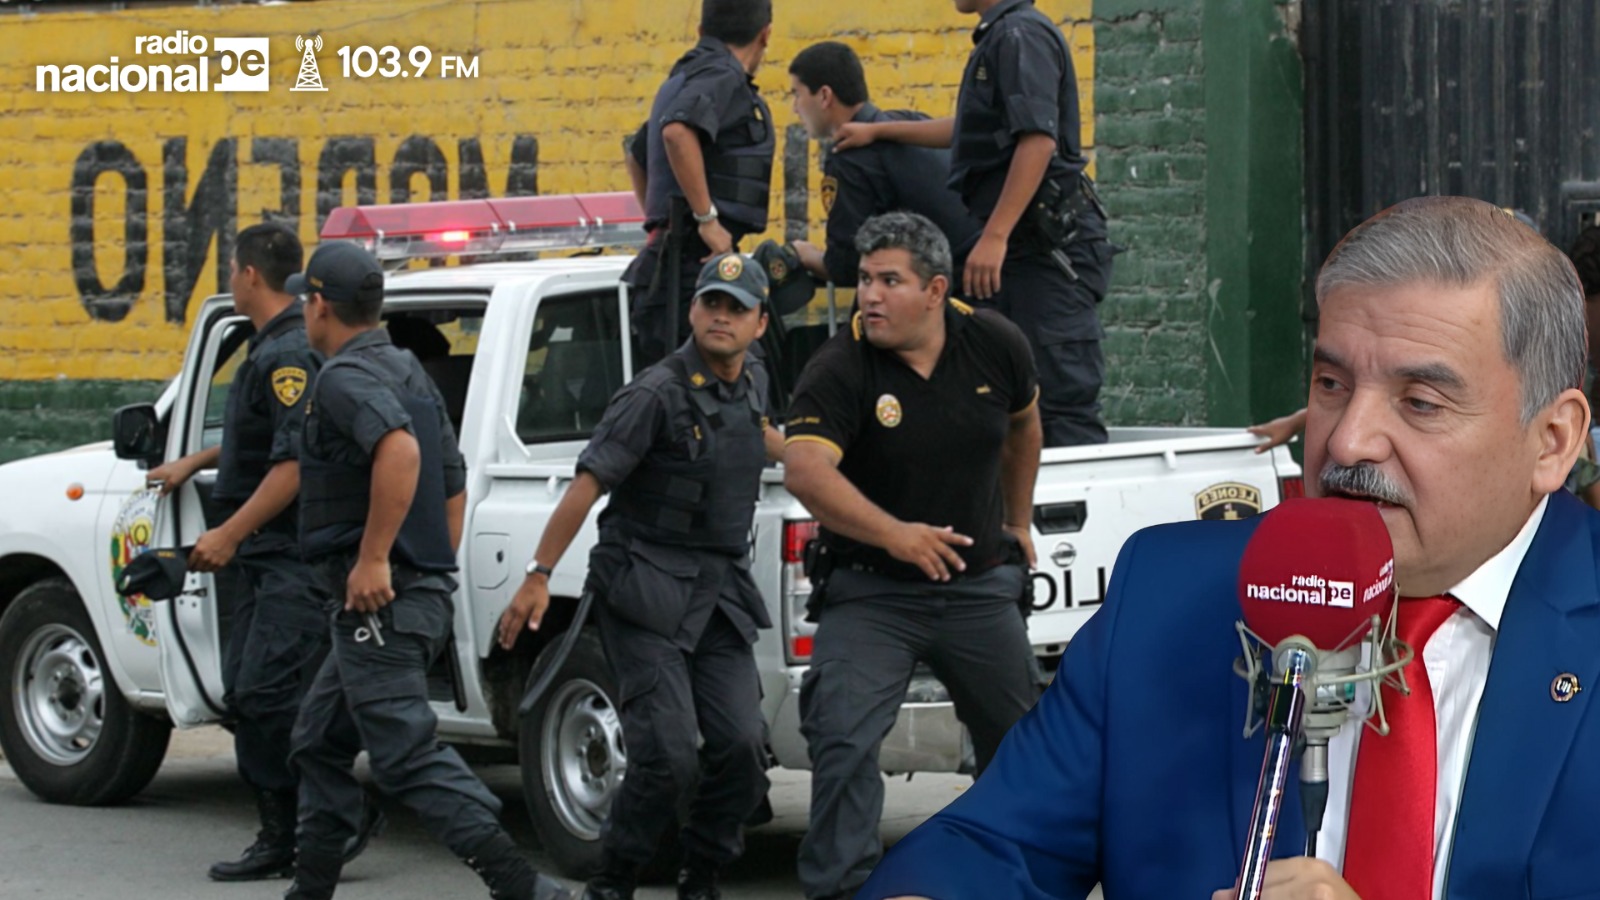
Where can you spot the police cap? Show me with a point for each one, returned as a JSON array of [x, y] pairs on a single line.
[[732, 274], [157, 574], [792, 286], [340, 271]]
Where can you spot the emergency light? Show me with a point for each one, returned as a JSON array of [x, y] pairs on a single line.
[[481, 227]]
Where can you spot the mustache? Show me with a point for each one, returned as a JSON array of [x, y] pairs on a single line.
[[1361, 480]]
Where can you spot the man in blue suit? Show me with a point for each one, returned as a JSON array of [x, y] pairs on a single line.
[[1445, 388]]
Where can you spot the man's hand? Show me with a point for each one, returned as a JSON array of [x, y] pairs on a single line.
[[854, 134], [1300, 878], [716, 237], [1024, 536], [526, 610], [811, 257], [368, 588], [929, 549], [213, 550], [1279, 430], [171, 476], [981, 276]]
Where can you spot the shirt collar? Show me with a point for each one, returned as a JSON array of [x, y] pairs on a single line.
[[701, 376], [1485, 590], [293, 313], [987, 20], [867, 113], [716, 45], [372, 337]]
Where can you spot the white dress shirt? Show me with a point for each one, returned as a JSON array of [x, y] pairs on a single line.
[[1457, 658]]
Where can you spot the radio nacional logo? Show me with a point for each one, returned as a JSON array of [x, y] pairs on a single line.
[[179, 63]]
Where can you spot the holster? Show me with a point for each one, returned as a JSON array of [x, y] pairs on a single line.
[[679, 220], [1015, 557], [818, 562], [1056, 213]]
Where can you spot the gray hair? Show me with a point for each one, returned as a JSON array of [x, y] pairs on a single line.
[[1461, 242], [929, 248]]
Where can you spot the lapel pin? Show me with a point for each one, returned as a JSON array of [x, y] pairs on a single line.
[[1564, 687]]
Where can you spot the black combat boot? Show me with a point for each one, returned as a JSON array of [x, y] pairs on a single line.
[[616, 881], [315, 876], [508, 875], [697, 880], [272, 855]]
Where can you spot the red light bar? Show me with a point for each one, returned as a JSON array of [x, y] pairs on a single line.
[[481, 227]]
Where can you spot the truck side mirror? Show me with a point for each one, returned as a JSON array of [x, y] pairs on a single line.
[[136, 433]]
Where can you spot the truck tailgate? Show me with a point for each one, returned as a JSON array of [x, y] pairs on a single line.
[[1089, 500]]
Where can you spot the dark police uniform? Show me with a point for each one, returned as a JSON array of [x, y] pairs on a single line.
[[886, 176], [681, 452], [369, 695], [1018, 81], [924, 450], [709, 90], [279, 633]]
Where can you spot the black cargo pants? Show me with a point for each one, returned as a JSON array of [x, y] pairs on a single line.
[[278, 640], [871, 633], [1062, 324], [375, 698]]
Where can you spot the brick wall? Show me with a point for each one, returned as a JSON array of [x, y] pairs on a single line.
[[1150, 94]]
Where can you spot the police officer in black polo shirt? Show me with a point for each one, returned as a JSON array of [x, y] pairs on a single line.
[[279, 633], [707, 170], [914, 439], [830, 89], [381, 505], [1043, 258], [680, 449]]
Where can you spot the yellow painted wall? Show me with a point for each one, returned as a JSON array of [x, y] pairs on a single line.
[[575, 74]]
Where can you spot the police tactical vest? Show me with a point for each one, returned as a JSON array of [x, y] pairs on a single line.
[[705, 496], [738, 163], [335, 496]]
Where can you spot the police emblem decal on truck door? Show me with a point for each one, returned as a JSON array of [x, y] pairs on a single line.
[[131, 534], [1228, 500]]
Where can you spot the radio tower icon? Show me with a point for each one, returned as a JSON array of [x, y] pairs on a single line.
[[310, 76]]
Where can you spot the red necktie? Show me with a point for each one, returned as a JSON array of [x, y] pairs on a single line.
[[1389, 839]]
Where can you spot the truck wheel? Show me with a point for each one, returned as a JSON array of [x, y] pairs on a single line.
[[66, 729], [573, 761]]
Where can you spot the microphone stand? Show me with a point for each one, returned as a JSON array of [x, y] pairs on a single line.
[[1294, 666]]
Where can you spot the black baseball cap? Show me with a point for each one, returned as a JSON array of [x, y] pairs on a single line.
[[339, 271], [733, 274], [791, 286], [157, 574]]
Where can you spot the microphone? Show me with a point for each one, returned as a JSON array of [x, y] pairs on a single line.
[[1316, 587]]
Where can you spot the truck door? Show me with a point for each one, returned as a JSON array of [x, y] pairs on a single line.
[[192, 628]]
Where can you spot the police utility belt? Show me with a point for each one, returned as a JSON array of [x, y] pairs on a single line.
[[819, 562], [1056, 214]]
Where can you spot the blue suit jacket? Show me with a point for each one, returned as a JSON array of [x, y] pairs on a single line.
[[1132, 769]]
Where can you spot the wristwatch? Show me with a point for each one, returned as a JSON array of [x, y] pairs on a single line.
[[534, 568], [710, 216]]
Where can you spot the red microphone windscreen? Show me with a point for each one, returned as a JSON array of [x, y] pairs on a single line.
[[1317, 567]]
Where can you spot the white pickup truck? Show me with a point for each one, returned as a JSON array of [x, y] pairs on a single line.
[[530, 352]]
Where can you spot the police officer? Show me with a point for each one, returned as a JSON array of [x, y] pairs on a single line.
[[680, 450], [278, 635], [830, 89], [707, 167], [382, 500], [1043, 258], [914, 439]]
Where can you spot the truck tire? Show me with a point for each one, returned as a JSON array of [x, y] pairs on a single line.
[[66, 729], [573, 761]]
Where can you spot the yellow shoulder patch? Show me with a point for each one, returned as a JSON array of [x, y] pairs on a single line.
[[855, 326], [962, 308], [830, 192], [288, 384]]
